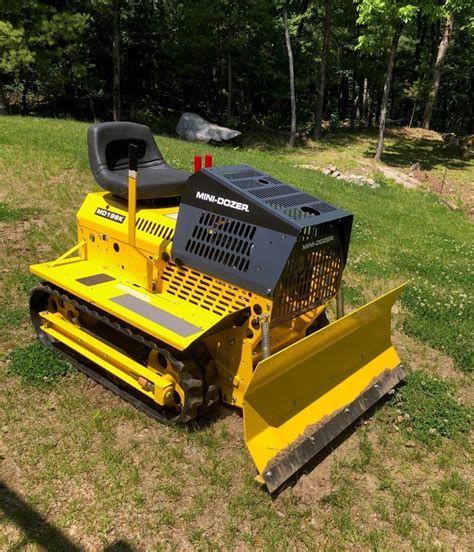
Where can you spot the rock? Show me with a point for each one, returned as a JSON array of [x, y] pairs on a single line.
[[449, 138], [398, 177], [309, 167], [449, 204], [194, 128], [332, 168], [361, 180], [327, 171], [415, 167], [410, 444], [335, 174]]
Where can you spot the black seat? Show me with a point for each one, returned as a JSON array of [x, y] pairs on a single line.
[[108, 158]]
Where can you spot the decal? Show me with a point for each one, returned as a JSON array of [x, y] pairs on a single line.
[[317, 242], [110, 215], [223, 201]]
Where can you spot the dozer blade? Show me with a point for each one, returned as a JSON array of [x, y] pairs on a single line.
[[302, 397]]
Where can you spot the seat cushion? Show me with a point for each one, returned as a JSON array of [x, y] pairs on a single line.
[[152, 182]]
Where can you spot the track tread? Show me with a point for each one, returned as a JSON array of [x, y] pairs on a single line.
[[190, 375]]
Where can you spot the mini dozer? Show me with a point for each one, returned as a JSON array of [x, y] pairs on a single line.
[[184, 290]]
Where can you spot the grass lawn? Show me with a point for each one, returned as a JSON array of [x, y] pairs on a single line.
[[97, 473]]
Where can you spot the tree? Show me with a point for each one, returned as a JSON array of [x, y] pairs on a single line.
[[438, 69], [387, 87], [324, 63], [382, 18], [14, 55], [292, 79]]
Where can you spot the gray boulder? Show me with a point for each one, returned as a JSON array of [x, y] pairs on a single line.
[[194, 128]]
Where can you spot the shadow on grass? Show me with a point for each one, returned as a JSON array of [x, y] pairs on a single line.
[[426, 152], [36, 529], [400, 150]]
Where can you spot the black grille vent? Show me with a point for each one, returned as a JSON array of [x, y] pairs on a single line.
[[290, 201], [248, 184], [243, 173], [222, 240], [323, 207], [273, 191], [154, 228], [311, 277]]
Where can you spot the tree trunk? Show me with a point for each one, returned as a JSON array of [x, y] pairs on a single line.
[[292, 80], [116, 59], [3, 103], [386, 89], [324, 63], [438, 69], [412, 114], [343, 97], [365, 88], [229, 86]]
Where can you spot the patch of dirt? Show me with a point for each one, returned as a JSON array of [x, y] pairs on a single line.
[[454, 196], [417, 134], [420, 356], [315, 481], [96, 394], [63, 177], [9, 470], [13, 236]]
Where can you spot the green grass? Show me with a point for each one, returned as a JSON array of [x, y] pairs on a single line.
[[14, 214], [37, 365], [12, 317], [102, 472], [430, 411]]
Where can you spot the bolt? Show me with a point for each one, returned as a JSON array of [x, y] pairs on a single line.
[[268, 474]]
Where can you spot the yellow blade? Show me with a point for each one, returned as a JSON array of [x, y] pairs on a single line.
[[302, 397]]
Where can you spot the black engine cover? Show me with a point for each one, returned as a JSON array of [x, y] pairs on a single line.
[[243, 226]]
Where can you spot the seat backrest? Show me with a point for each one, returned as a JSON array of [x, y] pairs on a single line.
[[107, 145]]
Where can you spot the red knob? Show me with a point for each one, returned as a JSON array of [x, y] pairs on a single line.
[[197, 163], [208, 161]]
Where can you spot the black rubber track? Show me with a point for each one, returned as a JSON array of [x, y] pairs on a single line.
[[200, 393]]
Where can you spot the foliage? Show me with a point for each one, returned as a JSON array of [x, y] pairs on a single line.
[[14, 53], [37, 365], [55, 59], [430, 411]]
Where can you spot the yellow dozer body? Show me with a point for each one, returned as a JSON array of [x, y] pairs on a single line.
[[194, 289]]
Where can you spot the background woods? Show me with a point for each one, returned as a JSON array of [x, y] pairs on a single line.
[[353, 61]]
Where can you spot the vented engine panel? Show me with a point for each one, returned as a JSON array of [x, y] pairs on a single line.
[[247, 228]]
